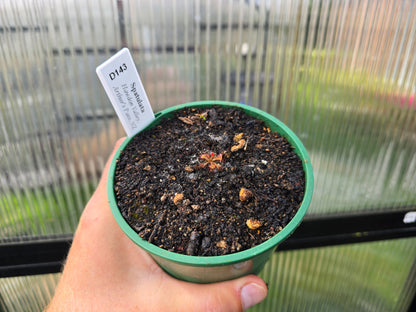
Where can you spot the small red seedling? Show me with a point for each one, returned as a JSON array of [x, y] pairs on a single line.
[[211, 160]]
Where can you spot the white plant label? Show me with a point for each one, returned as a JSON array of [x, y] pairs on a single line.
[[123, 86]]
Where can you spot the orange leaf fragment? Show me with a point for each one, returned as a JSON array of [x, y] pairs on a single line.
[[245, 194], [253, 224]]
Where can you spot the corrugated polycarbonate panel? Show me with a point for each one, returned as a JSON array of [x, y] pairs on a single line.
[[27, 293], [362, 277], [341, 74], [357, 113], [57, 128], [338, 73]]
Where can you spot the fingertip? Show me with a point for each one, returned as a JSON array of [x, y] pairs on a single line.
[[110, 158], [252, 294], [116, 146], [118, 143]]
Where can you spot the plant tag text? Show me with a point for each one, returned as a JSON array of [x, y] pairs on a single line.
[[123, 86]]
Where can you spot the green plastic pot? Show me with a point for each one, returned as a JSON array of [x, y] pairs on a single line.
[[218, 268]]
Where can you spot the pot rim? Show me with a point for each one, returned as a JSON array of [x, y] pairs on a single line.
[[275, 125]]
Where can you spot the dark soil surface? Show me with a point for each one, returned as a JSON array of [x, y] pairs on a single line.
[[209, 182]]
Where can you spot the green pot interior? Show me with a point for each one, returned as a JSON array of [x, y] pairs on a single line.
[[275, 125]]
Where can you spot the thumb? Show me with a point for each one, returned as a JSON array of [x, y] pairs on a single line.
[[234, 295]]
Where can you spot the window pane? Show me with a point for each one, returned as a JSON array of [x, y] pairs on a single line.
[[341, 74], [28, 293], [344, 82]]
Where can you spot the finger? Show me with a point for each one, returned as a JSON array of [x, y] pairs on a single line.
[[97, 207], [234, 295], [103, 180]]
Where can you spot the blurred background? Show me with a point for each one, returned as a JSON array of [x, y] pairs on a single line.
[[341, 74]]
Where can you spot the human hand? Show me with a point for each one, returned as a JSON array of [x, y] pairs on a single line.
[[106, 271]]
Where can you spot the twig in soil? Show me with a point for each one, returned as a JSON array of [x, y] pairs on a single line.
[[193, 244], [260, 195], [153, 234], [157, 227], [245, 145]]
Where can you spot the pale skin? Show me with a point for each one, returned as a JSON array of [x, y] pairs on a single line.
[[106, 271]]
